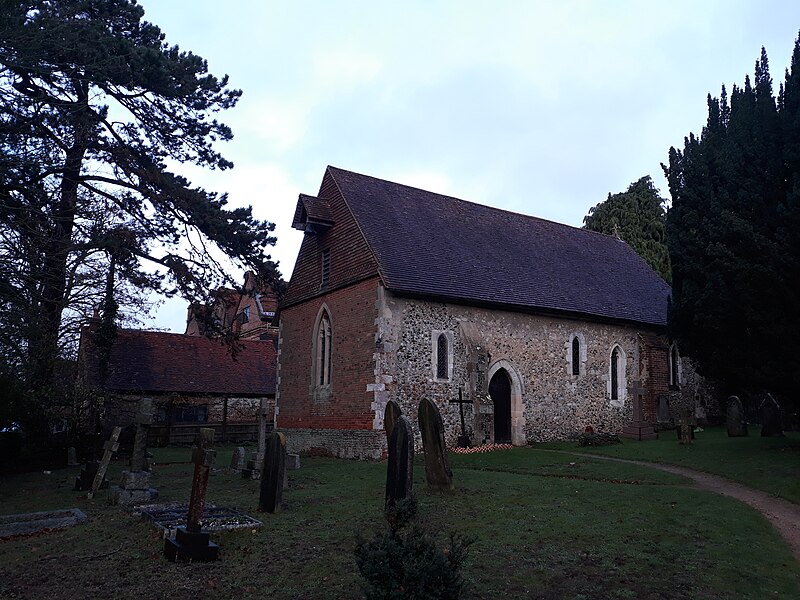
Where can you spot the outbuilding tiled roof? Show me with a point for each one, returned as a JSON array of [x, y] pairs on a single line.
[[150, 361], [433, 245]]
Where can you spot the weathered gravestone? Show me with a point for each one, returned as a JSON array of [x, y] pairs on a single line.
[[391, 413], [437, 471], [273, 477], [400, 467], [770, 417], [134, 486], [734, 418], [192, 543], [238, 459], [111, 446], [72, 457], [256, 463]]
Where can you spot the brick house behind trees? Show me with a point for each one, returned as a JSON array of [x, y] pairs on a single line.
[[192, 379], [399, 293]]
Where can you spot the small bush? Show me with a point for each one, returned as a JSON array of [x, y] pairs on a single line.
[[589, 438], [407, 563]]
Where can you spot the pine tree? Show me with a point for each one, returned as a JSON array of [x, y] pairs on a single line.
[[95, 108]]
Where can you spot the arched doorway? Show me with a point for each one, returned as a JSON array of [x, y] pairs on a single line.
[[500, 391]]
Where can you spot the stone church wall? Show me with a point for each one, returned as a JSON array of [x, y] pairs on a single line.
[[551, 403]]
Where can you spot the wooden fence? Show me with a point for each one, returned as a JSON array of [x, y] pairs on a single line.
[[162, 434]]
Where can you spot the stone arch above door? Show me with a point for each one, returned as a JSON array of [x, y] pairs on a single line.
[[517, 393]]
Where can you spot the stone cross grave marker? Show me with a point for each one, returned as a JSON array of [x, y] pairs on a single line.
[[144, 418], [437, 471], [256, 463], [111, 446], [274, 474], [638, 429], [400, 467], [463, 439], [391, 413], [191, 543], [734, 418], [134, 486]]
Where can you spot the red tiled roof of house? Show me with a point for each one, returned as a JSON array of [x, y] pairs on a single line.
[[151, 361], [433, 245]]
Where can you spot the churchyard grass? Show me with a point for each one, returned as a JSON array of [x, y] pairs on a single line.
[[771, 464], [546, 525]]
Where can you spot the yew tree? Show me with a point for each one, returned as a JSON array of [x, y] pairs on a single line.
[[734, 236], [97, 115]]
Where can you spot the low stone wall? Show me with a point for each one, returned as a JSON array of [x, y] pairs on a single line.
[[342, 443]]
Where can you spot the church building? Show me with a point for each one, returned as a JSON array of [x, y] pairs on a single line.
[[398, 293]]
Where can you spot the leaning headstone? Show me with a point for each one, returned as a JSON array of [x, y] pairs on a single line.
[[391, 413], [734, 418], [400, 467], [191, 542], [437, 471], [238, 459], [134, 486], [111, 446], [770, 417], [273, 477]]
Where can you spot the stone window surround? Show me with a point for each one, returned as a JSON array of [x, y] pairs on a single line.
[[434, 354], [517, 393], [582, 351], [622, 383], [321, 391]]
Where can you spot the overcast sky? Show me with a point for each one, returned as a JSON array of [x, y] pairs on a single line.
[[537, 107]]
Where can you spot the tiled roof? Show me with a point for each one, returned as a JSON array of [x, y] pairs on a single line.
[[434, 245], [316, 209], [150, 361]]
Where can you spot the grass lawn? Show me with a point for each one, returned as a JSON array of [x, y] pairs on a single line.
[[771, 464], [546, 526]]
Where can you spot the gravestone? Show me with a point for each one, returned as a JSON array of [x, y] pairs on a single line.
[[256, 463], [391, 413], [734, 418], [292, 462], [400, 467], [134, 486], [274, 474], [191, 542], [72, 457], [111, 446], [638, 429], [663, 412], [770, 417], [437, 471], [238, 459]]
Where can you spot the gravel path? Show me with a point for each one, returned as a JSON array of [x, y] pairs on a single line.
[[784, 515]]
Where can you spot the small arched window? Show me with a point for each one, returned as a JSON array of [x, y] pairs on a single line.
[[674, 359], [322, 358], [576, 356], [441, 356], [615, 373]]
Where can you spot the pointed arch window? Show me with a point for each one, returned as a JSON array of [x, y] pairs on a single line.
[[674, 367], [617, 384], [322, 351], [441, 356], [576, 356]]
